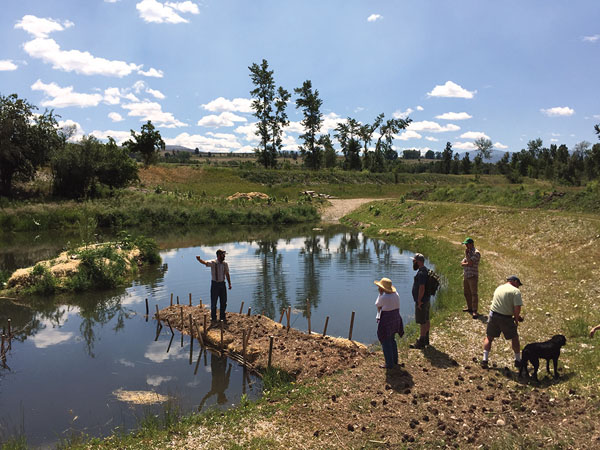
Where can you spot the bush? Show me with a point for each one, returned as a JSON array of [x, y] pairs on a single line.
[[100, 267], [43, 282]]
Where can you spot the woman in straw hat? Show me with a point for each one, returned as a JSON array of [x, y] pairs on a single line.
[[389, 321]]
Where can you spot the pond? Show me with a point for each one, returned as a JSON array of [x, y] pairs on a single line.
[[76, 357]]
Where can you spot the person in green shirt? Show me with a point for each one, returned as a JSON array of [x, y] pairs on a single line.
[[505, 315]]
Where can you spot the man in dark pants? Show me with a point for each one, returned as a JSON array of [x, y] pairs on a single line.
[[421, 300], [219, 270]]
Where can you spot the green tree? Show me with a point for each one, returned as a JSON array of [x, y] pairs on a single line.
[[447, 158], [456, 164], [329, 154], [429, 154], [384, 143], [310, 103], [348, 135], [465, 164], [26, 140], [147, 144], [269, 108], [484, 147]]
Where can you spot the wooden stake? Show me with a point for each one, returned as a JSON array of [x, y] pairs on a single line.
[[281, 316], [249, 310], [200, 303], [157, 315], [181, 314], [171, 299], [351, 326], [178, 299], [170, 342], [190, 299], [199, 334], [170, 328], [308, 314], [270, 351], [289, 313], [242, 307], [191, 326], [326, 322], [10, 332], [191, 347], [147, 312], [205, 324], [198, 362]]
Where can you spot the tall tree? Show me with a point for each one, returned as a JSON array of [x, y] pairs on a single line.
[[269, 107], [384, 143], [310, 103], [147, 144], [447, 158], [329, 154], [26, 140], [348, 135], [366, 134], [484, 147]]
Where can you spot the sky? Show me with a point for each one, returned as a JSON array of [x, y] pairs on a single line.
[[508, 71]]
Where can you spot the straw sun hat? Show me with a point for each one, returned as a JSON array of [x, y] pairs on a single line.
[[386, 285]]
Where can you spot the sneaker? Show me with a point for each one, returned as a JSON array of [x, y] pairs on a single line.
[[418, 344], [475, 315], [484, 364]]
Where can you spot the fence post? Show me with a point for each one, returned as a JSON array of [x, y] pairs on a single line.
[[157, 314], [326, 322], [147, 312], [242, 307], [249, 310], [190, 299], [171, 299], [351, 326], [244, 346], [308, 314]]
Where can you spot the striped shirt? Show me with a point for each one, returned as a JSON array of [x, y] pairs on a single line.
[[218, 270], [472, 271]]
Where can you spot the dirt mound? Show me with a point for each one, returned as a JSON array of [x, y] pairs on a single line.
[[248, 196], [303, 355]]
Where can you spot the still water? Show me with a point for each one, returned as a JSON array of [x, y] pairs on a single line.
[[68, 364]]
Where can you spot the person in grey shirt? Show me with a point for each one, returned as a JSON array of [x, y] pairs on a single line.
[[219, 270]]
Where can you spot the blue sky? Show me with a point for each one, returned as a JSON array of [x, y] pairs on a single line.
[[510, 71]]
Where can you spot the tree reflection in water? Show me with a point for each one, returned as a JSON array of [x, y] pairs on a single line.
[[270, 280]]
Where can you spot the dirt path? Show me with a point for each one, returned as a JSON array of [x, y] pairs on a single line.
[[342, 206]]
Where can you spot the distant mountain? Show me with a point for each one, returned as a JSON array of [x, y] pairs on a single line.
[[178, 148]]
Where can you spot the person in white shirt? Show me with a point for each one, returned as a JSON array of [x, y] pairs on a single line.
[[389, 321], [219, 270]]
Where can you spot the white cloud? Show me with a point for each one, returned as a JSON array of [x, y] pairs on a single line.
[[184, 7], [402, 114], [115, 117], [157, 352], [553, 140], [431, 138], [464, 145], [420, 108], [76, 61], [596, 116], [374, 17], [153, 111], [358, 109], [454, 116], [7, 65], [451, 89], [221, 104], [125, 362], [118, 135], [159, 95], [500, 146], [593, 38], [225, 119], [216, 142], [294, 127], [50, 336], [64, 97], [474, 135], [157, 12], [408, 134], [157, 380], [41, 28], [558, 111], [432, 127], [248, 132], [330, 122], [152, 73]]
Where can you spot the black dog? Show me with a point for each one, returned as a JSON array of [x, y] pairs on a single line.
[[549, 350]]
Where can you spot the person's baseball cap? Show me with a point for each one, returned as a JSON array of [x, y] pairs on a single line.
[[418, 257], [514, 278], [221, 251], [468, 241]]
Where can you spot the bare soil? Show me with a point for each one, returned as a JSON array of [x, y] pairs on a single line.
[[338, 208]]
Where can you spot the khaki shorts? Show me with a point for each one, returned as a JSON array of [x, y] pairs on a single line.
[[422, 314], [501, 324]]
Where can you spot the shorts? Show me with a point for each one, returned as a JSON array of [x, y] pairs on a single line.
[[501, 324], [422, 314]]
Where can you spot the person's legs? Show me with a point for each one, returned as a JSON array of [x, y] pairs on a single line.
[[395, 352], [388, 348], [223, 302], [487, 346], [467, 294], [473, 282], [214, 294]]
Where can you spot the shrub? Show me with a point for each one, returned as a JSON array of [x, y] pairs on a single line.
[[43, 282]]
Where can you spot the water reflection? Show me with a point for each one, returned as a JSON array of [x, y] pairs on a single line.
[[220, 370]]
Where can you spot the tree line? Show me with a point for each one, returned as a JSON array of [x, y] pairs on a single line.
[[29, 141]]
